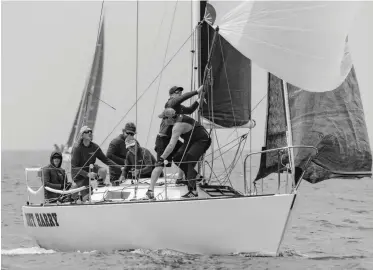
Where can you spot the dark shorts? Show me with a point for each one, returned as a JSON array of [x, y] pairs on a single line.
[[161, 143], [194, 152]]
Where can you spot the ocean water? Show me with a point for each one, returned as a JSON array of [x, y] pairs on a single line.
[[331, 228]]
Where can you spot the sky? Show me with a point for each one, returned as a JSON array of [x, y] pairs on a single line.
[[47, 51]]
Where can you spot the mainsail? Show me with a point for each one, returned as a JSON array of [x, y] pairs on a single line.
[[332, 121], [89, 103], [288, 38], [229, 101]]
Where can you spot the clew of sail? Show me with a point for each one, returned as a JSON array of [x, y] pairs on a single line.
[[301, 42], [332, 121]]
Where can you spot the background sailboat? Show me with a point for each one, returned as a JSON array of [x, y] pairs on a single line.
[[89, 103]]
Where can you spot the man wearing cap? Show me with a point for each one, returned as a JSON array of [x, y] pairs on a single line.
[[164, 135], [84, 153], [196, 142], [117, 150]]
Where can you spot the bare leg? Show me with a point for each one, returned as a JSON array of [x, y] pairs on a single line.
[[155, 175], [180, 174], [102, 172]]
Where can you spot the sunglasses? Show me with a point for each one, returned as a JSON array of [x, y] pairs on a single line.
[[87, 131], [172, 117], [130, 133]]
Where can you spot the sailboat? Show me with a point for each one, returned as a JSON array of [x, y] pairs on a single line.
[[89, 103], [299, 139]]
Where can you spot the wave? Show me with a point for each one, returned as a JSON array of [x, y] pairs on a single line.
[[26, 251]]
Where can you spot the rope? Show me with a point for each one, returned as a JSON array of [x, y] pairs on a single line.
[[217, 141]]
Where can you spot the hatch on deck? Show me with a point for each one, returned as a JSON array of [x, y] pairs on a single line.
[[217, 191]]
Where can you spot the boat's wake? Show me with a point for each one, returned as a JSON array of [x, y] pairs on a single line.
[[160, 252], [168, 252], [173, 253], [26, 251]]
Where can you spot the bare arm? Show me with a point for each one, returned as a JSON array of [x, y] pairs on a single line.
[[177, 130]]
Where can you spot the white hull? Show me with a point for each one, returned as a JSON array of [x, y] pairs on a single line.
[[205, 225]]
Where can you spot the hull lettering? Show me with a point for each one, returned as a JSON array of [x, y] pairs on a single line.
[[42, 220]]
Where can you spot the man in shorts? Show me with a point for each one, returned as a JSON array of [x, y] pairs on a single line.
[[164, 135]]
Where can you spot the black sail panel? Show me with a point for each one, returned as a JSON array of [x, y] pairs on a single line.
[[229, 99]]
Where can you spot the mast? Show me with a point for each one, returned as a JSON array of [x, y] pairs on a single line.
[[196, 17], [199, 12]]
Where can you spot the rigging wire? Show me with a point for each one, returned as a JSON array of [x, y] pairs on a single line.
[[217, 141], [160, 79], [136, 83], [142, 94], [94, 96]]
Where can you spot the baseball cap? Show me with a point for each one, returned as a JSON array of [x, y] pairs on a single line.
[[174, 89], [130, 127]]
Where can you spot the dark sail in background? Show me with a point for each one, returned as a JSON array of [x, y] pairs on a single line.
[[334, 123], [89, 103], [275, 127], [229, 102], [95, 81], [72, 135]]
